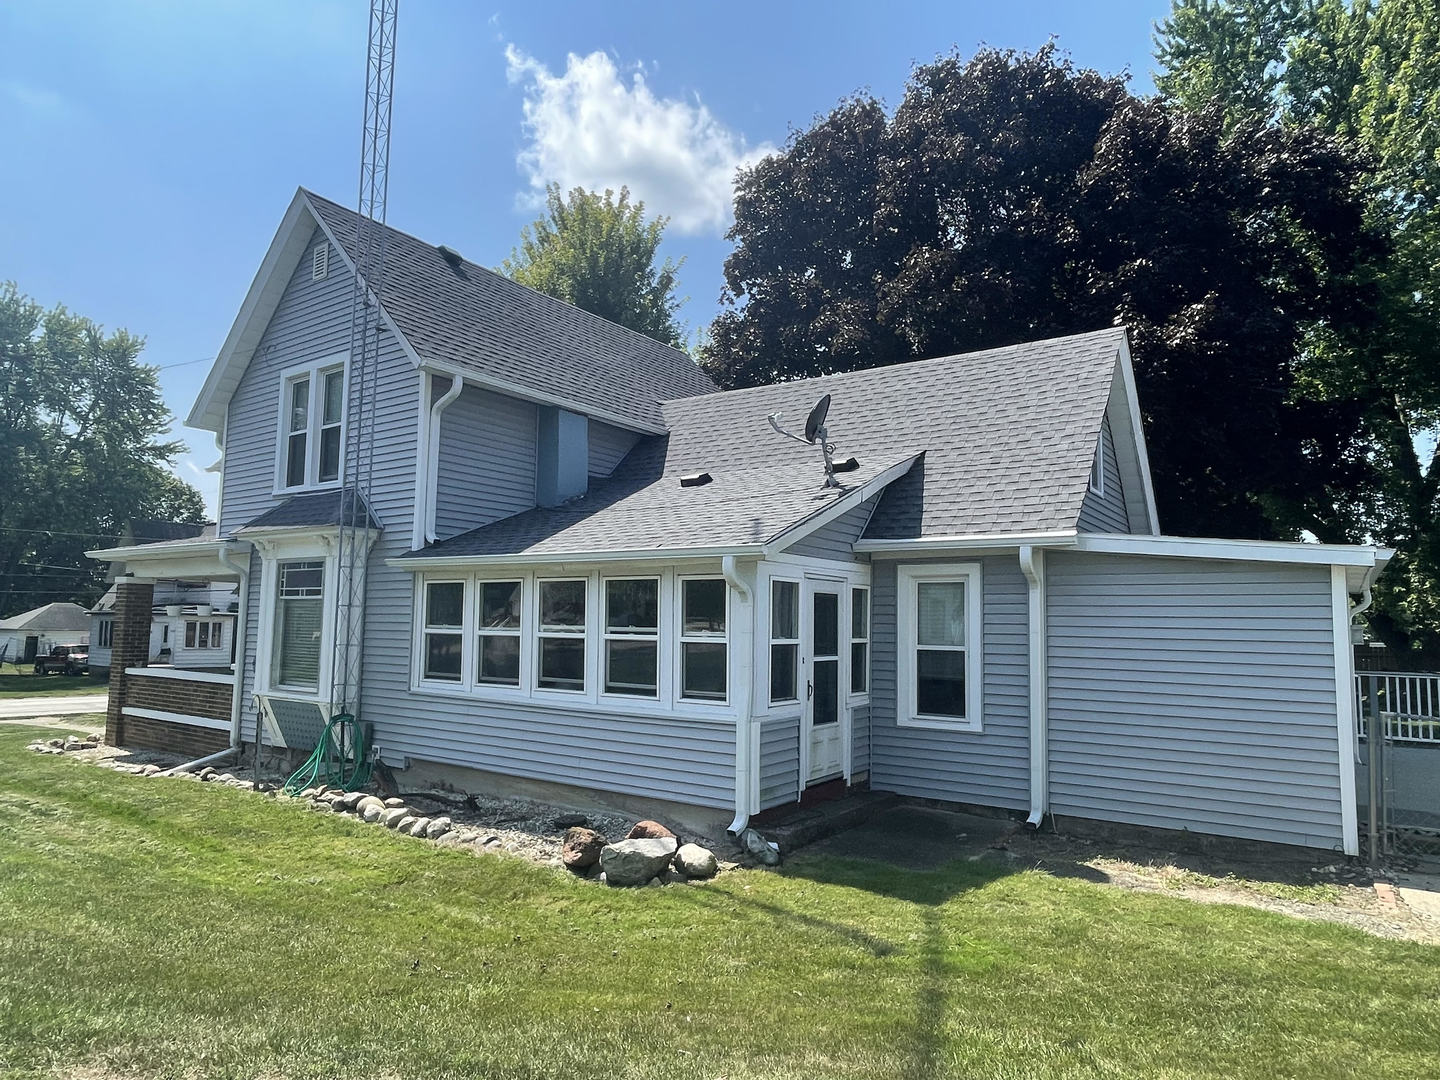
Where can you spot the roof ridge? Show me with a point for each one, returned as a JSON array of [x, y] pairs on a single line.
[[680, 353], [906, 364]]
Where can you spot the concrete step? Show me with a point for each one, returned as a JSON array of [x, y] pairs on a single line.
[[794, 827]]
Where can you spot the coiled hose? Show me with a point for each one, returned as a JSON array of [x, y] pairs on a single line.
[[341, 759]]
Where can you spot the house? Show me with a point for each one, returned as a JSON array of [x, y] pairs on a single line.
[[593, 576], [33, 633], [192, 625]]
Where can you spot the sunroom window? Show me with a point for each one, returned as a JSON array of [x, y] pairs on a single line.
[[498, 660], [561, 634], [632, 636], [784, 640], [444, 629], [859, 640], [702, 638]]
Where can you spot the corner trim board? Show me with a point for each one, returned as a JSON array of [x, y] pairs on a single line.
[[1345, 710]]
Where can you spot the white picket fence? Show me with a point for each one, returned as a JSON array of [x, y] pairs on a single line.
[[1409, 705]]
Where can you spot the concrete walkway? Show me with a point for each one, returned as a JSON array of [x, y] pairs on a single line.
[[15, 708]]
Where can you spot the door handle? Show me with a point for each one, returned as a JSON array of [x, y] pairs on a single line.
[[809, 689]]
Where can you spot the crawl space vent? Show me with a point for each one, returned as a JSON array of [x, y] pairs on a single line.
[[320, 263]]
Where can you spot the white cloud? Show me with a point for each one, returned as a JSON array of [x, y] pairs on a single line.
[[36, 99], [590, 127]]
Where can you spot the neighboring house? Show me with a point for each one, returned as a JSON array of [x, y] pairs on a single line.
[[192, 626], [593, 574], [35, 632]]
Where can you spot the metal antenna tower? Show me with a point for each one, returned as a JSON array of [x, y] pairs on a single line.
[[353, 540]]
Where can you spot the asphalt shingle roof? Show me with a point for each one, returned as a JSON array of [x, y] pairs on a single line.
[[306, 511], [1007, 437], [482, 321], [49, 617]]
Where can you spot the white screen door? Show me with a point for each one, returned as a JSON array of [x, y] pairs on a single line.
[[824, 716]]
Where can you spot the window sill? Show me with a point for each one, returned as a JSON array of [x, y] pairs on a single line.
[[303, 489], [972, 727]]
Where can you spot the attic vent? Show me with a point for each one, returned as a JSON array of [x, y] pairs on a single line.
[[451, 256], [699, 479], [320, 262], [850, 464]]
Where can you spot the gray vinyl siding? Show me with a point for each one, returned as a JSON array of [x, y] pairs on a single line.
[[990, 767], [779, 761], [486, 466], [608, 446], [859, 739], [837, 539], [1197, 695], [1106, 513], [686, 760]]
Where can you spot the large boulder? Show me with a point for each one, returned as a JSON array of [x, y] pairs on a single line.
[[694, 861], [581, 849], [635, 862], [650, 830]]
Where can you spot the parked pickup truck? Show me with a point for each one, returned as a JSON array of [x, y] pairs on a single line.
[[66, 659]]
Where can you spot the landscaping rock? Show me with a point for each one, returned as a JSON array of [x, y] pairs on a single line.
[[206, 773], [369, 801], [418, 826], [57, 743], [650, 830], [694, 861], [759, 848], [404, 823], [371, 813], [582, 849], [392, 818], [226, 778], [570, 821], [394, 803], [150, 770], [437, 828], [635, 862], [453, 838], [87, 744]]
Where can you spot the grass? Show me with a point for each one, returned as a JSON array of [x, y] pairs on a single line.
[[164, 928], [25, 683]]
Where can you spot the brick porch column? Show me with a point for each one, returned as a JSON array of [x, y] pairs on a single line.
[[129, 647]]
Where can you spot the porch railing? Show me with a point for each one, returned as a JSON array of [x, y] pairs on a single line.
[[1409, 705]]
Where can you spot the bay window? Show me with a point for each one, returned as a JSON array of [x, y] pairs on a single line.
[[939, 638], [561, 634], [632, 636], [498, 633], [299, 624]]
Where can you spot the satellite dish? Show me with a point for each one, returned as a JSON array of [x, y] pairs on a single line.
[[815, 422]]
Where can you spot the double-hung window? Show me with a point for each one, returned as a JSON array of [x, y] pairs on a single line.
[[106, 629], [632, 636], [498, 632], [202, 635], [314, 414], [703, 657], [561, 634], [299, 624], [784, 641], [444, 630], [940, 637], [859, 640]]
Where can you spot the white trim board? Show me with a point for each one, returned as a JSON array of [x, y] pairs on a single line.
[[176, 718], [182, 675], [1345, 709], [1188, 547]]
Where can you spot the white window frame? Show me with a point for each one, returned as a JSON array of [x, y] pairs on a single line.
[[668, 703], [214, 634], [471, 674], [771, 641], [607, 635], [322, 674], [682, 639], [315, 371], [427, 629], [1096, 484], [308, 546], [907, 581], [586, 635], [859, 695]]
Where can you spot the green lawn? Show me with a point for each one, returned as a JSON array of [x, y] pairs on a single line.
[[156, 927], [25, 682]]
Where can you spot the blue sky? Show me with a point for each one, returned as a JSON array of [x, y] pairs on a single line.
[[151, 147]]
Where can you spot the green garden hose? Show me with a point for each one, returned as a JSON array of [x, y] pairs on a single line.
[[341, 759]]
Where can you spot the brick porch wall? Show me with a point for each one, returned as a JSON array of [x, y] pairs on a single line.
[[129, 647], [142, 733]]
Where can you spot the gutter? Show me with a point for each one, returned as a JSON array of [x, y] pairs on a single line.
[[241, 626], [1032, 564], [457, 385], [744, 729]]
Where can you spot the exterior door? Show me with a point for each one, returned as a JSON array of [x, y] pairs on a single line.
[[824, 715]]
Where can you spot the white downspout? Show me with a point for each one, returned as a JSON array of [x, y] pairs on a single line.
[[744, 651], [457, 384], [1032, 564], [241, 628]]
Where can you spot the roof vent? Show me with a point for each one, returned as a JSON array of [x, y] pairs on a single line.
[[320, 261], [699, 479], [850, 464], [451, 256]]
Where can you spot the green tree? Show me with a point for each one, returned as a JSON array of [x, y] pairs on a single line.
[[1367, 71], [599, 252], [1013, 197], [81, 451]]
